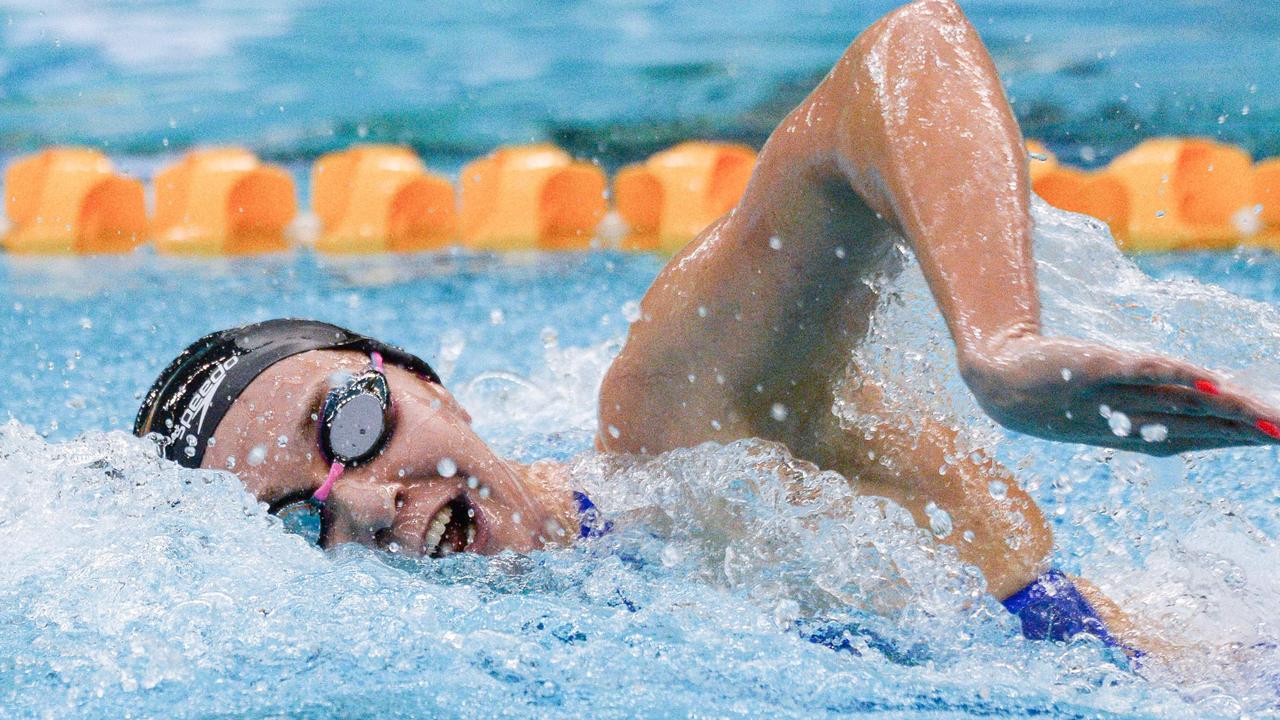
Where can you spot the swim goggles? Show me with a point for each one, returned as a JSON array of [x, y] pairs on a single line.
[[354, 423], [353, 427]]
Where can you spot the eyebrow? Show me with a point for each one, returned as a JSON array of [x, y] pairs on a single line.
[[315, 398]]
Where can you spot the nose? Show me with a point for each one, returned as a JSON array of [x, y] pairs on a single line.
[[358, 510]]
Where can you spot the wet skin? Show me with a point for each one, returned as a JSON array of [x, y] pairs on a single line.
[[908, 141]]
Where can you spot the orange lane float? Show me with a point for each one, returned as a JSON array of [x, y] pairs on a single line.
[[70, 201], [1078, 191], [671, 197], [1096, 194], [1185, 193], [530, 197], [222, 201], [380, 198], [1266, 198]]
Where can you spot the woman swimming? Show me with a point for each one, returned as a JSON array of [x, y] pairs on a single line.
[[747, 333]]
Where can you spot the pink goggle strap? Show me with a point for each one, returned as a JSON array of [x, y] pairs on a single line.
[[335, 472]]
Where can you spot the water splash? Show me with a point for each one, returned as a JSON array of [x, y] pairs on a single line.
[[131, 585]]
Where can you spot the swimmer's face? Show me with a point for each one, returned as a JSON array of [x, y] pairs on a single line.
[[433, 471]]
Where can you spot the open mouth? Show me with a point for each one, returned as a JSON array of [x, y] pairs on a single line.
[[452, 529]]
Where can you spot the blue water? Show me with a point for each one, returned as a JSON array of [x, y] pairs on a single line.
[[133, 586], [611, 79]]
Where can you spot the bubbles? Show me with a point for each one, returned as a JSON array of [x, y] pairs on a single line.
[[257, 455], [775, 243], [446, 467], [778, 412], [282, 441], [1120, 424], [939, 520], [1153, 432]]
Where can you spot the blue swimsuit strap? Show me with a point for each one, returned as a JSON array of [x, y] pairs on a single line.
[[591, 523], [1052, 608]]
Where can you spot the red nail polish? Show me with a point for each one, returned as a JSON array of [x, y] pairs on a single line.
[[1207, 387], [1269, 428]]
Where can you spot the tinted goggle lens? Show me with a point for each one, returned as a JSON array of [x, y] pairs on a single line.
[[354, 424], [302, 518]]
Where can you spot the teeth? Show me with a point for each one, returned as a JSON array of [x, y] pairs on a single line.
[[436, 531]]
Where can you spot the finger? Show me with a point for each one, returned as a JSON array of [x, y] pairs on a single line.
[[1177, 400], [1201, 433], [1169, 399], [1157, 370]]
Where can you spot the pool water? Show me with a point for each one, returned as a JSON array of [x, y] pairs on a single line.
[[610, 79], [132, 587]]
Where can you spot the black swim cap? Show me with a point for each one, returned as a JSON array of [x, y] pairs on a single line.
[[191, 396]]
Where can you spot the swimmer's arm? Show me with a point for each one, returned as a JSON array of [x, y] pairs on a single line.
[[936, 149], [909, 136]]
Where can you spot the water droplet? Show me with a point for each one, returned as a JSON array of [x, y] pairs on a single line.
[[631, 311], [516, 517], [484, 491], [282, 441], [840, 252], [702, 311], [1066, 374], [778, 412], [473, 482], [497, 317], [1154, 432], [671, 555], [999, 489], [257, 455], [86, 324], [939, 520], [447, 467], [967, 535], [1120, 424], [775, 242], [786, 612], [231, 462], [614, 432]]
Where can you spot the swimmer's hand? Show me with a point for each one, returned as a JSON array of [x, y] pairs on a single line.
[[1076, 391]]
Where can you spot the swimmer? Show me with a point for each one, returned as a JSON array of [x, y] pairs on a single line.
[[747, 333]]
